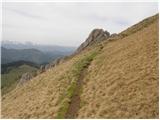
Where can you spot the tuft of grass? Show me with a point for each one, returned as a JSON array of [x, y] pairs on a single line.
[[65, 100], [83, 63], [70, 90], [63, 109]]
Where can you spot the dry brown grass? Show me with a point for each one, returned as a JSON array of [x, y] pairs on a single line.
[[43, 96], [121, 82], [38, 98]]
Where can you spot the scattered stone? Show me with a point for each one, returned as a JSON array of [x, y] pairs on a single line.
[[47, 67], [42, 69], [25, 77]]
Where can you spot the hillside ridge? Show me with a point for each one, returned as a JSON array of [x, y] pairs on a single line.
[[114, 78]]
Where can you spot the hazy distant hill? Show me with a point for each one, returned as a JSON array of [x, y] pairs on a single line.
[[32, 55], [52, 49]]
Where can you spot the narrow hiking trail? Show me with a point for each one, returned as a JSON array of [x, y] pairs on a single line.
[[74, 106]]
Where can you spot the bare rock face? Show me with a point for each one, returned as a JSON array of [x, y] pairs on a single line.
[[95, 35], [25, 77]]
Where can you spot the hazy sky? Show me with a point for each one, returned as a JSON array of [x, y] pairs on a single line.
[[68, 24]]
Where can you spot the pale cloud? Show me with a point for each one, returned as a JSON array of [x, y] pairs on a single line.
[[69, 23]]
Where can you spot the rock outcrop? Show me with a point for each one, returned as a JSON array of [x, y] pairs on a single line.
[[52, 64], [42, 69], [47, 67], [55, 62], [113, 36], [95, 35], [25, 77]]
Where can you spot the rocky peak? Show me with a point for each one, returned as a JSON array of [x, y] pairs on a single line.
[[95, 35]]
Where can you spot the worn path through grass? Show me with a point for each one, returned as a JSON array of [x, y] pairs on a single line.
[[74, 106], [70, 100], [75, 99]]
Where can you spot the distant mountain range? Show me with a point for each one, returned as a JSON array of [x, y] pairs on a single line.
[[44, 48], [39, 54], [32, 55]]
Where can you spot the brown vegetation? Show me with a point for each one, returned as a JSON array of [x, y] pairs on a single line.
[[121, 81]]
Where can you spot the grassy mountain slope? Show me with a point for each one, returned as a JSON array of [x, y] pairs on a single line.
[[12, 73], [120, 80]]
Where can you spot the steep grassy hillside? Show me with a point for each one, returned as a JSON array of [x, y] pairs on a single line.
[[110, 79], [11, 73], [122, 81]]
